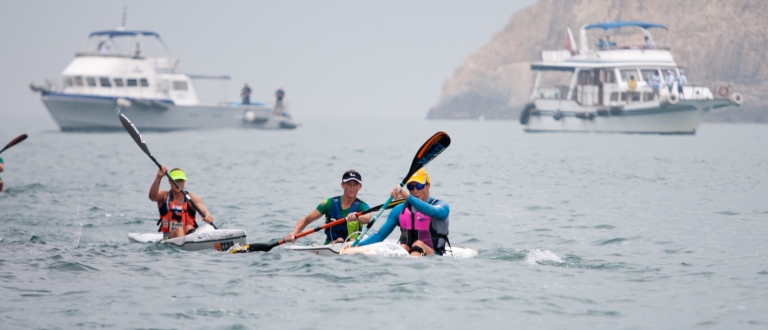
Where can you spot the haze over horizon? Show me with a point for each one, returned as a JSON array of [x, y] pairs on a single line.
[[344, 58]]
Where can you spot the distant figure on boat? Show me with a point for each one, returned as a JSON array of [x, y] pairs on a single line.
[[655, 83], [631, 85], [609, 43], [670, 80], [681, 81], [245, 94], [137, 49], [103, 47], [648, 43], [601, 44], [279, 95]]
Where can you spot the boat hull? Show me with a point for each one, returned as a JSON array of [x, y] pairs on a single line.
[[642, 118], [387, 248], [204, 238], [93, 113]]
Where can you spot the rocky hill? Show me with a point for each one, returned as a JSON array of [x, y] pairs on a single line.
[[724, 41]]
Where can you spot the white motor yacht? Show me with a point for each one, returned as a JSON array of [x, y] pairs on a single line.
[[114, 71], [619, 88]]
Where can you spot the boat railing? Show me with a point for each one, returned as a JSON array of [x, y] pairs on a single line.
[[165, 64], [555, 55], [552, 93]]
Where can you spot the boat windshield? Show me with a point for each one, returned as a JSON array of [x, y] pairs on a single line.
[[124, 43], [626, 35]]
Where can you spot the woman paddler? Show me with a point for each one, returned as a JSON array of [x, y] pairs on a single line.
[[177, 216], [423, 220]]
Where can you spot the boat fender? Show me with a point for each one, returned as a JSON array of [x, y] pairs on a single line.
[[615, 111], [673, 98], [558, 115], [123, 103], [737, 98], [249, 116], [526, 114], [723, 91]]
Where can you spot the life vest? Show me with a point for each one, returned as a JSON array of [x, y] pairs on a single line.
[[418, 226], [173, 216], [337, 231]]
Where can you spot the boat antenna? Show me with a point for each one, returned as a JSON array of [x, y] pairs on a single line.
[[125, 16]]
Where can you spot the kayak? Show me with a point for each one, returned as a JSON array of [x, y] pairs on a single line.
[[387, 248], [205, 237]]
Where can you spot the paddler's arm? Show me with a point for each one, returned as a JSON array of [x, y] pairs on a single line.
[[301, 224], [155, 194], [363, 219], [387, 228], [207, 217], [439, 211]]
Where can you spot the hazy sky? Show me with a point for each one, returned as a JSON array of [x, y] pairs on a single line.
[[344, 58]]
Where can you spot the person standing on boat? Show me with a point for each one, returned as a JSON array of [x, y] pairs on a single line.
[[423, 219], [279, 95], [681, 81], [339, 207], [631, 85], [670, 80], [655, 83], [177, 216], [245, 94]]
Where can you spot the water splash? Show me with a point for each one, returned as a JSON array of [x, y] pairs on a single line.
[[536, 256]]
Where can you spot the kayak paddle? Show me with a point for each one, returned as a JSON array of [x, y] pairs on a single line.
[[14, 142], [428, 151], [265, 247], [134, 132]]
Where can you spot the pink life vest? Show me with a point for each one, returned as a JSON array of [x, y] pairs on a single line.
[[414, 227]]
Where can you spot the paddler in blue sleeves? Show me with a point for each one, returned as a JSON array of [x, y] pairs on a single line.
[[334, 208], [423, 220], [177, 217]]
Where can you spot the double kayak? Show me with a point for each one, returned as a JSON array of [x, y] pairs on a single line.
[[387, 248], [204, 237]]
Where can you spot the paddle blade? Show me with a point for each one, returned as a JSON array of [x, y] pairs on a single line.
[[134, 132], [254, 247], [433, 147], [15, 141]]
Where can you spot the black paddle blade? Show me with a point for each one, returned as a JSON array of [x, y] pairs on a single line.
[[254, 247], [433, 147], [15, 141], [134, 132]]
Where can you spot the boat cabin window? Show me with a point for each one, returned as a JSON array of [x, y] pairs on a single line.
[[648, 73], [78, 81], [68, 82], [91, 81], [144, 82], [179, 85], [131, 82], [118, 82], [105, 82], [587, 78], [625, 74], [610, 77]]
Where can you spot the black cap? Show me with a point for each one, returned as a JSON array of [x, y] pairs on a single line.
[[352, 175]]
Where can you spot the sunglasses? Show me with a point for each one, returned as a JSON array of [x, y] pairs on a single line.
[[417, 186]]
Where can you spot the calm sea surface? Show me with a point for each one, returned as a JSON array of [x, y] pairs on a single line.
[[577, 231]]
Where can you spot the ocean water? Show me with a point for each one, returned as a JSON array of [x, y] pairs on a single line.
[[577, 231]]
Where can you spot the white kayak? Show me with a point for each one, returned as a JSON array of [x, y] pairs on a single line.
[[205, 237], [387, 248]]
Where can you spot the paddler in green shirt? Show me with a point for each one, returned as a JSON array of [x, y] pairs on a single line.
[[334, 208]]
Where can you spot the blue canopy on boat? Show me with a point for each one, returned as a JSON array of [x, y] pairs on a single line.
[[614, 25], [118, 33]]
